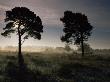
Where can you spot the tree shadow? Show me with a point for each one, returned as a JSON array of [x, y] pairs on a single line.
[[23, 74], [15, 74]]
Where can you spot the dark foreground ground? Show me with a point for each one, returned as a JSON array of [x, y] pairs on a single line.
[[52, 67]]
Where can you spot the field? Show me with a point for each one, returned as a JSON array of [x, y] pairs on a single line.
[[55, 67]]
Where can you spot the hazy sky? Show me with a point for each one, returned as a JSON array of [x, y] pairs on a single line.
[[50, 11]]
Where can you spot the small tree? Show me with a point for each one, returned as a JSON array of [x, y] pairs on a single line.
[[25, 23], [67, 47], [87, 48], [76, 28]]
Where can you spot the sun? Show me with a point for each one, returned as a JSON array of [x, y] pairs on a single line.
[[16, 24]]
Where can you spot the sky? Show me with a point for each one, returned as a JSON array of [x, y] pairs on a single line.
[[50, 12]]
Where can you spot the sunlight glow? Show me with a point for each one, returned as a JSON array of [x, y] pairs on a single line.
[[16, 25]]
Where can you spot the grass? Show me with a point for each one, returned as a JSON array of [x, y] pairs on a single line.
[[57, 67]]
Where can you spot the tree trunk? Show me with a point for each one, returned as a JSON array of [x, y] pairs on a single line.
[[82, 45], [20, 57]]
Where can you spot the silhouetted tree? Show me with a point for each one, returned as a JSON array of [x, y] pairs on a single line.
[[25, 23], [76, 28]]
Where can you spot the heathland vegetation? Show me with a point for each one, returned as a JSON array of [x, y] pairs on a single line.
[[48, 66]]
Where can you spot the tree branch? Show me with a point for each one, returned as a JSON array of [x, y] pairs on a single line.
[[23, 41]]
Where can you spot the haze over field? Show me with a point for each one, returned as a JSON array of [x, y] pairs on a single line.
[[33, 49]]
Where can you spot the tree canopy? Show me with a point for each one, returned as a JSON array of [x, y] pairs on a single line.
[[29, 23]]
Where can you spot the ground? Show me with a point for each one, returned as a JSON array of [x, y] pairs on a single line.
[[55, 67]]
